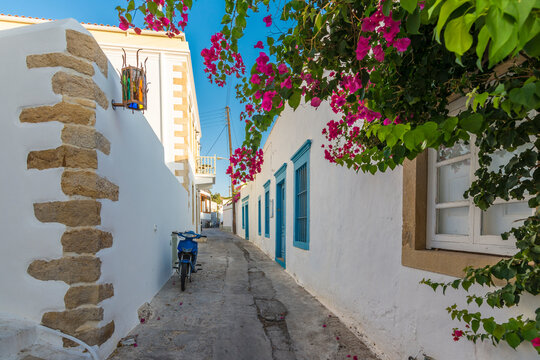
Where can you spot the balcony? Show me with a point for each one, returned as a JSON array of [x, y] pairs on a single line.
[[205, 171]]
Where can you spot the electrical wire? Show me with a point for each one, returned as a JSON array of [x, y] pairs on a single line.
[[211, 147]]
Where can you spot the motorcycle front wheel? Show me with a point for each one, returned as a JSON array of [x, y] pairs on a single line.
[[183, 275]]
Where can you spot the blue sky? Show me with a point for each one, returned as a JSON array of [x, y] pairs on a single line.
[[204, 21]]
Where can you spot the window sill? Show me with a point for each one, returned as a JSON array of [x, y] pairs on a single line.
[[301, 245]]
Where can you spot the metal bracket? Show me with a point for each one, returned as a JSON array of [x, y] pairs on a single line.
[[115, 105]]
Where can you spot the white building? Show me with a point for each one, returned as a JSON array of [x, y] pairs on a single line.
[[90, 194], [361, 243], [172, 110]]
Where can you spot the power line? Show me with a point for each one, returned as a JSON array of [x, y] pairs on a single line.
[[211, 147]]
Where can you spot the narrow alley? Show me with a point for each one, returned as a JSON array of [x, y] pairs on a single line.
[[242, 305]]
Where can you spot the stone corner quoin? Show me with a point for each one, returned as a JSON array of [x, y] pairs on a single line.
[[79, 267]]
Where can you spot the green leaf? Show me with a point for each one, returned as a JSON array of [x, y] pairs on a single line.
[[499, 331], [456, 35], [387, 6], [529, 332], [226, 19], [489, 325], [446, 10], [475, 324], [237, 32], [513, 340], [525, 96], [472, 123], [318, 22], [131, 5], [408, 5], [483, 39], [413, 22], [294, 100], [241, 21]]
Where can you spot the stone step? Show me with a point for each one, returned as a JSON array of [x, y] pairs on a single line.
[[15, 334]]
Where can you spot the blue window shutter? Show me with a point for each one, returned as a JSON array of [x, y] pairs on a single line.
[[259, 208], [267, 209], [301, 196]]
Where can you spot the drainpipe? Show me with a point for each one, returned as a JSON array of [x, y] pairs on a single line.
[[69, 337]]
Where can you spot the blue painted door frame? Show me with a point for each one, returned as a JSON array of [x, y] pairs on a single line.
[[281, 215], [246, 207]]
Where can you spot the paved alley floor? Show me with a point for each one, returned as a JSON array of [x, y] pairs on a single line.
[[242, 305]]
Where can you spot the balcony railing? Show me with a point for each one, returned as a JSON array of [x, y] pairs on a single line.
[[206, 165]]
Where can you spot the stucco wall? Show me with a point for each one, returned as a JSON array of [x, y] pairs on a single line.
[[353, 265], [151, 201]]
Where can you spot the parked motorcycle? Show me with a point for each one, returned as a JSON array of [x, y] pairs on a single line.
[[187, 255]]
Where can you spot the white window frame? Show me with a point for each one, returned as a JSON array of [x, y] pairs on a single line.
[[474, 241]]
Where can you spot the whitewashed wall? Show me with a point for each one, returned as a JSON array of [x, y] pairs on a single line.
[[353, 265], [151, 204]]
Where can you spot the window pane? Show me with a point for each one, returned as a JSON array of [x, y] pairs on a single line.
[[454, 221], [453, 180], [458, 149], [502, 217], [501, 157]]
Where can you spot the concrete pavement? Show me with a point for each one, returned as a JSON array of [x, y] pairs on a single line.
[[241, 306]]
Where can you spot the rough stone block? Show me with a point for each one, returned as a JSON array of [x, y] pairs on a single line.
[[85, 137], [86, 241], [63, 112], [69, 321], [73, 269], [70, 213], [62, 156], [87, 294], [60, 59], [93, 336], [79, 101], [88, 183], [78, 86], [85, 46]]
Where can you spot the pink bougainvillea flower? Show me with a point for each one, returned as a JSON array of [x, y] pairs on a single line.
[[267, 100], [137, 31], [369, 24], [142, 321], [165, 21], [421, 5], [282, 68], [355, 357], [402, 44], [268, 20], [315, 102], [337, 337], [387, 121], [378, 53], [362, 48], [255, 79], [135, 345], [185, 8], [124, 24], [536, 342], [348, 355], [286, 83], [259, 45], [324, 325], [181, 303]]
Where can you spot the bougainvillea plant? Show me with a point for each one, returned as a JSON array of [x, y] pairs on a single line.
[[388, 70]]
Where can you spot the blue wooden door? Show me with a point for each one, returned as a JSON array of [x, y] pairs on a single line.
[[280, 223], [246, 212]]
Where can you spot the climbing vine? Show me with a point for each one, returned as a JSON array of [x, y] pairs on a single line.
[[388, 70]]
